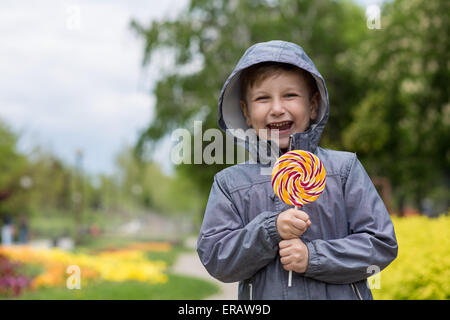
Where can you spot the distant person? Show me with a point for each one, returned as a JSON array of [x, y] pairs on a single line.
[[23, 229], [7, 231]]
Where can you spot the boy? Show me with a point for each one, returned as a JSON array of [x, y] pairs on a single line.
[[251, 236]]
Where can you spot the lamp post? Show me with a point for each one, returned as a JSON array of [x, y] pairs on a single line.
[[78, 196]]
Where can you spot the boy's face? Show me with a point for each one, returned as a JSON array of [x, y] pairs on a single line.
[[280, 102]]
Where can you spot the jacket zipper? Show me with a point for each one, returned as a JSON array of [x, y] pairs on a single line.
[[291, 138], [250, 286], [356, 291]]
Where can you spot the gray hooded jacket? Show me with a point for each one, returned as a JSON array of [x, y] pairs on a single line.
[[351, 234]]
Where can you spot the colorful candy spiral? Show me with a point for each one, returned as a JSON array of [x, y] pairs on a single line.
[[298, 177]]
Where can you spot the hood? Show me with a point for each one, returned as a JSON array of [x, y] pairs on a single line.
[[231, 117]]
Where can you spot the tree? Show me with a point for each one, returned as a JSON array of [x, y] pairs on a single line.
[[12, 169], [215, 34], [401, 127], [144, 186]]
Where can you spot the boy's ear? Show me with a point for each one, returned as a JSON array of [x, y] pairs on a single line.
[[245, 111], [314, 105]]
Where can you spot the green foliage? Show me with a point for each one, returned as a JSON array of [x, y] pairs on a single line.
[[12, 168], [51, 175], [144, 185], [369, 132], [401, 127], [51, 223], [8, 154], [213, 35]]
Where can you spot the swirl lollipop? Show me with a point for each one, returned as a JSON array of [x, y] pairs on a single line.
[[298, 178]]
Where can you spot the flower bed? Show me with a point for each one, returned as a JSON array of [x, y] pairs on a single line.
[[12, 283], [118, 265]]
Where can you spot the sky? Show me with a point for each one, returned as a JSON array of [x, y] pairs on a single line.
[[71, 76]]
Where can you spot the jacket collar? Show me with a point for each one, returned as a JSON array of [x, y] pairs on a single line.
[[266, 152]]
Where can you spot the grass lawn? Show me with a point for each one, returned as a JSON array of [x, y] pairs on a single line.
[[178, 287]]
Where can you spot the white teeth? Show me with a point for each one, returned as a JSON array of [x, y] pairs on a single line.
[[279, 124]]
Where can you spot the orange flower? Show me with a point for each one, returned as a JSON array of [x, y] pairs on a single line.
[[151, 246]]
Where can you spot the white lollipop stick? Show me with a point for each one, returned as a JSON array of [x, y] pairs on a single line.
[[290, 279], [290, 272]]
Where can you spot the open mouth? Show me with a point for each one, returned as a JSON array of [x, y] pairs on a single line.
[[281, 126]]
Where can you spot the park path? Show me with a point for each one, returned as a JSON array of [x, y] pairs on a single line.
[[189, 264]]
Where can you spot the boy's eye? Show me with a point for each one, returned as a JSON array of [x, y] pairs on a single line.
[[262, 98], [290, 95]]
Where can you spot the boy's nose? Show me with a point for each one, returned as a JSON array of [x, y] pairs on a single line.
[[277, 107]]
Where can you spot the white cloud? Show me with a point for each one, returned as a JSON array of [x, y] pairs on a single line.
[[70, 88]]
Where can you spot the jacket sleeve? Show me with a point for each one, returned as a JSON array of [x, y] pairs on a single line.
[[371, 241], [230, 250]]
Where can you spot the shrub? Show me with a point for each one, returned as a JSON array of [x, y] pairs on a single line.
[[422, 268]]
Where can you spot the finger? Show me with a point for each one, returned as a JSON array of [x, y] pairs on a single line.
[[283, 244], [295, 233], [287, 243], [302, 215], [285, 252], [298, 225], [288, 267], [291, 232], [285, 260]]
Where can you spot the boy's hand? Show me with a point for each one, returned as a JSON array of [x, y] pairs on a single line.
[[292, 223], [294, 255]]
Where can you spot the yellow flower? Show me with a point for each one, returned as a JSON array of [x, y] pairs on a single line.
[[119, 265], [422, 268]]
